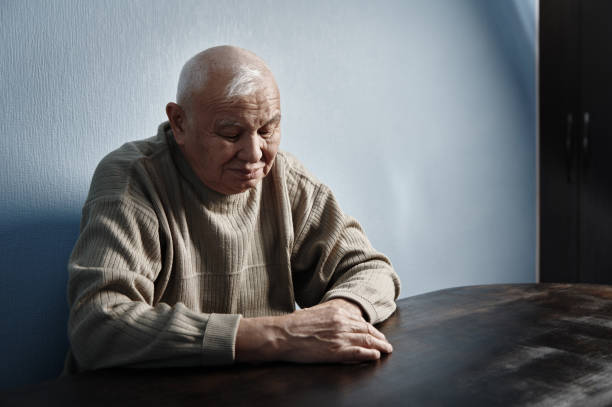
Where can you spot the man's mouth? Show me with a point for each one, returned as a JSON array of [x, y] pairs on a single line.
[[248, 173]]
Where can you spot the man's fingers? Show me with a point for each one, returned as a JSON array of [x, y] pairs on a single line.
[[366, 327], [375, 332], [359, 354], [372, 342]]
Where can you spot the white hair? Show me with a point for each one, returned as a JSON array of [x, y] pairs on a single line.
[[246, 79]]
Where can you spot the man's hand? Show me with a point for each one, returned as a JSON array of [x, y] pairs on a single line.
[[334, 331]]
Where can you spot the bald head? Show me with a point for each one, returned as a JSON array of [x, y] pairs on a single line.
[[227, 119], [225, 71]]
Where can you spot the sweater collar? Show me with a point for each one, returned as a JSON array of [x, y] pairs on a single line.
[[206, 194]]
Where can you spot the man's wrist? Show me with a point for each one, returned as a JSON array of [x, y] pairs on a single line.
[[349, 305], [257, 339]]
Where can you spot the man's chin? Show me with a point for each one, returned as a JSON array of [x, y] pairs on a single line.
[[246, 185]]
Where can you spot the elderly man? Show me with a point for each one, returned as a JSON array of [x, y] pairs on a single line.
[[196, 244]]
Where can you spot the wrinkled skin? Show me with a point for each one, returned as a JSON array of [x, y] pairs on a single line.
[[333, 331]]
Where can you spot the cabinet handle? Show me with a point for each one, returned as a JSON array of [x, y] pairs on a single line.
[[586, 143], [569, 124]]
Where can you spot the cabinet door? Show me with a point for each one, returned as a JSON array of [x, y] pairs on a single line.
[[595, 188], [559, 107]]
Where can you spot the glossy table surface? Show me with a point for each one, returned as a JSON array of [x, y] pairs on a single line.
[[531, 344]]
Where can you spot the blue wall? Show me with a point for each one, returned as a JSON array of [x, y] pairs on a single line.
[[420, 114]]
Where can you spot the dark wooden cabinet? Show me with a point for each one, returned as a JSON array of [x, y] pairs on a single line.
[[575, 141]]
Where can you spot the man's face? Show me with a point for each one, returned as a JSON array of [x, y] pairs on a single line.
[[231, 144]]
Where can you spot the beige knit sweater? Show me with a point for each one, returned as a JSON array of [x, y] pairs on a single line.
[[164, 267]]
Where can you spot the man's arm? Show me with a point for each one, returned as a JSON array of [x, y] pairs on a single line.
[[332, 258], [116, 317], [346, 284]]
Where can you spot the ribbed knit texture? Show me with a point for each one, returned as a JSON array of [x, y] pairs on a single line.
[[164, 267]]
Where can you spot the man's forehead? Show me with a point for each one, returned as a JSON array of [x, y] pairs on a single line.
[[241, 120]]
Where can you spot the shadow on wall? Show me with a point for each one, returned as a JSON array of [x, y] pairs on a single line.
[[35, 312], [514, 28]]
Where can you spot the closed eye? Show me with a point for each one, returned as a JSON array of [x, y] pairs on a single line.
[[230, 137], [268, 130], [265, 133]]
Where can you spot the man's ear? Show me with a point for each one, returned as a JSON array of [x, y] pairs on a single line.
[[176, 117]]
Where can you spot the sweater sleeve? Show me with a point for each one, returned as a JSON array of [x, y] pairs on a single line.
[[115, 317], [332, 258]]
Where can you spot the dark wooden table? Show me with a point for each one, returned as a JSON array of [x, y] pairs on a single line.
[[534, 344]]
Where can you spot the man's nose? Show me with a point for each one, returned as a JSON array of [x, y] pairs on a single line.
[[251, 148]]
